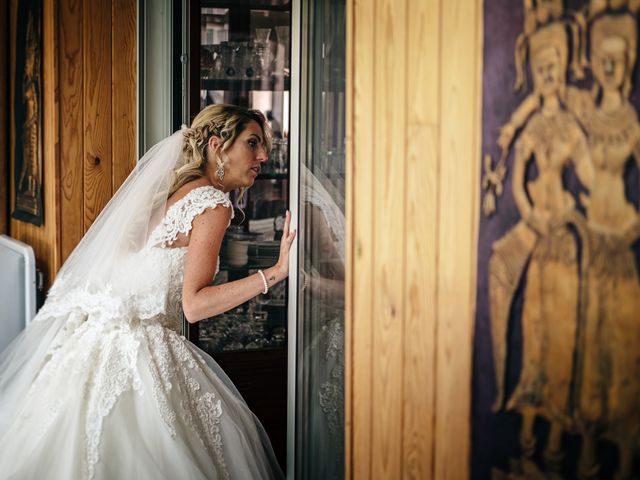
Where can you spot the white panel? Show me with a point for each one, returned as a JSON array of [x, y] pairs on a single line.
[[17, 288]]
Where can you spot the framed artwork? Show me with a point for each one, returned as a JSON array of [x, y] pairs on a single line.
[[27, 117], [556, 375]]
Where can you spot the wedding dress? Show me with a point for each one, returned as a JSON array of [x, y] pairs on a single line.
[[102, 386]]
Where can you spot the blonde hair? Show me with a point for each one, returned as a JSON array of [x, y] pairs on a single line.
[[223, 121]]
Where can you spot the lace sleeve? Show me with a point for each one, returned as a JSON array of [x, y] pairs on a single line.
[[180, 216]]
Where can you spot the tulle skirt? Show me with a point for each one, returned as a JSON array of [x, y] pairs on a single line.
[[85, 398]]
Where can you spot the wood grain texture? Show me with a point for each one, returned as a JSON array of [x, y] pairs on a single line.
[[123, 90], [389, 164], [459, 176], [44, 239], [359, 314], [71, 126], [412, 212], [97, 108], [79, 88], [4, 118], [421, 237]]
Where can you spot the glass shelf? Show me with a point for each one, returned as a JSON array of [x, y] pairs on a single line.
[[272, 84], [275, 5], [272, 176]]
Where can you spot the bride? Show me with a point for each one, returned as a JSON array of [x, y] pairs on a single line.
[[101, 385]]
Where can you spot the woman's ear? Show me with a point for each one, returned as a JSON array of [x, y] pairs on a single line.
[[214, 141]]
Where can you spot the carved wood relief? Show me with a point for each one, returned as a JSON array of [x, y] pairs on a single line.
[[27, 119], [558, 288]]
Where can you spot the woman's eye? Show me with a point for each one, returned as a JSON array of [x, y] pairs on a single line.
[[253, 144]]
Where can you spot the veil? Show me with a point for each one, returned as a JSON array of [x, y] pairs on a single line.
[[314, 190], [107, 275]]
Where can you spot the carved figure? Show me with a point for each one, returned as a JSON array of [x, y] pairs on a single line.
[[551, 139], [609, 378], [30, 174], [607, 374]]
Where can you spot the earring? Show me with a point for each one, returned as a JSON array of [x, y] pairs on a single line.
[[220, 171]]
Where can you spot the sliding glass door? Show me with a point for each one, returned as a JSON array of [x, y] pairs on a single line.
[[319, 426]]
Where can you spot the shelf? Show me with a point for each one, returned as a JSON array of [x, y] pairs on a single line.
[[272, 176], [276, 5], [242, 84], [255, 352], [247, 266]]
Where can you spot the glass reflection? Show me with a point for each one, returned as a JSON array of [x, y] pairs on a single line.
[[320, 425]]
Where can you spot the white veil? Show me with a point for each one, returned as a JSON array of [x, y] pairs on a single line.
[[105, 276]]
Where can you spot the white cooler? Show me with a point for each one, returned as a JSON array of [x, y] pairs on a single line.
[[17, 288]]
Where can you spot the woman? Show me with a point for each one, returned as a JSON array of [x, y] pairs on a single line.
[[552, 140], [101, 385], [608, 396]]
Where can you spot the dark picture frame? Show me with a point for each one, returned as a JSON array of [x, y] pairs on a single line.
[[27, 114]]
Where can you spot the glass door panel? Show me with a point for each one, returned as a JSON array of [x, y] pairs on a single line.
[[320, 342], [239, 53]]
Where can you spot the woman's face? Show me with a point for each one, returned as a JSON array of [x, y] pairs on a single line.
[[244, 158], [610, 64], [547, 71], [546, 9]]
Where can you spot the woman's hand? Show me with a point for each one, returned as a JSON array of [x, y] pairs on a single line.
[[288, 236]]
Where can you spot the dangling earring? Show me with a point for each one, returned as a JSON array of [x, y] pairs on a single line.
[[220, 171]]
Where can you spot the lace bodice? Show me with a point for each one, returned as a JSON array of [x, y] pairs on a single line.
[[179, 219], [146, 285]]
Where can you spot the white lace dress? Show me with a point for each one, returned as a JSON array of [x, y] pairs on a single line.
[[88, 394]]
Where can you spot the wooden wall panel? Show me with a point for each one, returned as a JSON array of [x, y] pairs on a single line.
[[71, 126], [413, 149], [459, 177], [44, 239], [123, 90], [89, 121], [389, 165], [421, 212], [359, 306], [97, 108]]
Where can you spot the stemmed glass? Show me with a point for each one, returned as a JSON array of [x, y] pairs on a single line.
[[262, 50], [282, 32]]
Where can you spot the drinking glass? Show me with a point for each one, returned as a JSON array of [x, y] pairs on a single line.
[[284, 41], [262, 51]]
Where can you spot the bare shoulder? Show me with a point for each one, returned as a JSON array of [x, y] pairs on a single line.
[[213, 217]]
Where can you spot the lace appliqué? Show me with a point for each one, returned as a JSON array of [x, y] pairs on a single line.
[[173, 367], [137, 290], [106, 324], [180, 215], [102, 357], [114, 373], [331, 393]]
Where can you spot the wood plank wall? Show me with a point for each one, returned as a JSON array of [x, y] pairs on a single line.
[[44, 239], [413, 113], [90, 126]]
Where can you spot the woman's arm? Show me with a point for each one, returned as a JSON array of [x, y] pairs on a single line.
[[200, 300]]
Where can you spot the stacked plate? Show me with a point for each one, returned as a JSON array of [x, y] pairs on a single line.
[[264, 227], [264, 253]]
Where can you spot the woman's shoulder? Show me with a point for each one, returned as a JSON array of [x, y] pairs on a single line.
[[196, 197]]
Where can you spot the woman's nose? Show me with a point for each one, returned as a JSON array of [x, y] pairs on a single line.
[[262, 155]]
